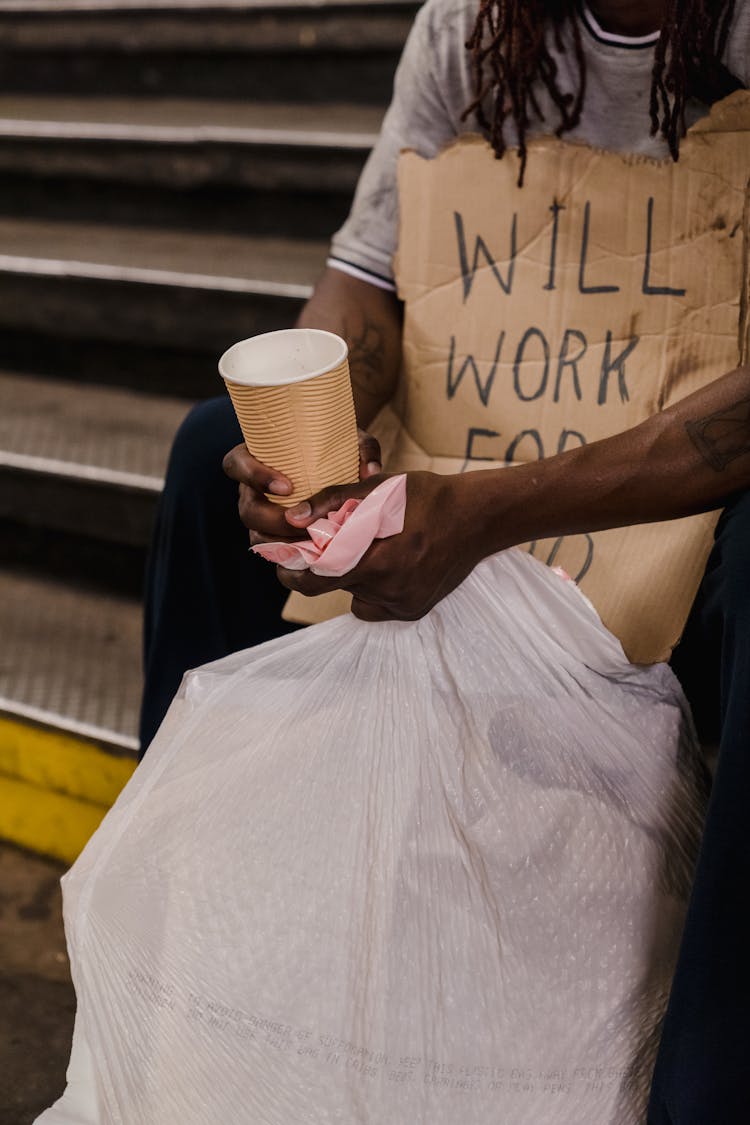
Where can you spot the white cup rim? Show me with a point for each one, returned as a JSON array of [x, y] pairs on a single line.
[[264, 338]]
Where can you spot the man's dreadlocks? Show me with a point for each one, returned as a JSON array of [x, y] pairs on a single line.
[[510, 53]]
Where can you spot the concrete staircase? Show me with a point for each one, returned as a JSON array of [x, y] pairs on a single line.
[[170, 172]]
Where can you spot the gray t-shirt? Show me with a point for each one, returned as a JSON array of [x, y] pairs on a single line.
[[433, 86]]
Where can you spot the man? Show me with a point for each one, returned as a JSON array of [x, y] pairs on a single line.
[[625, 76]]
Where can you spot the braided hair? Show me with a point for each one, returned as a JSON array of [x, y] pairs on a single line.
[[510, 54]]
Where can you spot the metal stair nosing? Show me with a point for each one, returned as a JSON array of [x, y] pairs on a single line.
[[313, 155], [82, 460], [62, 762], [81, 734], [123, 300], [70, 662], [113, 507]]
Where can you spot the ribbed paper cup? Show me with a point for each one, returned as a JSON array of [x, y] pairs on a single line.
[[293, 398]]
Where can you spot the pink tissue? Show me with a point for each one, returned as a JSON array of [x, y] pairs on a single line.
[[339, 540]]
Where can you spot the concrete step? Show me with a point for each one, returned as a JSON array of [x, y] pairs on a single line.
[[322, 51], [70, 688], [113, 110], [189, 373], [39, 1003], [200, 164], [177, 289], [71, 659], [83, 460]]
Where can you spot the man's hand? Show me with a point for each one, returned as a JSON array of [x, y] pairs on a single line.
[[403, 577], [264, 519]]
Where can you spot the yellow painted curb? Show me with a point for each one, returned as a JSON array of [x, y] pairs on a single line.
[[62, 762], [49, 823], [55, 788]]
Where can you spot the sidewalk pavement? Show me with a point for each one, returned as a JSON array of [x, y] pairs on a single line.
[[37, 1002]]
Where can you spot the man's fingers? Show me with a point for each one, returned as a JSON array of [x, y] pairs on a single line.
[[365, 611], [263, 516], [327, 500], [255, 479], [370, 459], [257, 538], [240, 465], [305, 582]]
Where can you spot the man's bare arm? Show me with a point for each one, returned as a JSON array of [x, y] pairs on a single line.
[[691, 458], [369, 319]]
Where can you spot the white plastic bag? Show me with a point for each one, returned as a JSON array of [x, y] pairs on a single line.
[[427, 873]]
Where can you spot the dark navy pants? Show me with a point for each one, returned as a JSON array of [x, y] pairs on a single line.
[[207, 596], [701, 1075]]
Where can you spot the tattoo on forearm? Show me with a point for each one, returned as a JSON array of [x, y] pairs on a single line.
[[366, 355], [724, 436]]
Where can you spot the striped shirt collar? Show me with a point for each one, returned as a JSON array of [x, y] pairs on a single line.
[[610, 38]]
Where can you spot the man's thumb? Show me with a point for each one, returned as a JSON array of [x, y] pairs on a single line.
[[327, 500]]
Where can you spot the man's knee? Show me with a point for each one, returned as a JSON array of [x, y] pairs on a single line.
[[734, 528], [208, 432], [701, 1097], [733, 544]]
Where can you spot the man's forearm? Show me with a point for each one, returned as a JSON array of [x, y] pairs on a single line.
[[369, 320], [691, 458]]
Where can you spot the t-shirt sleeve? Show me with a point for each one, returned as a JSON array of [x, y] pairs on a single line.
[[418, 118], [737, 55]]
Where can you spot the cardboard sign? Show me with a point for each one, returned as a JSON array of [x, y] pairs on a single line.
[[568, 310]]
